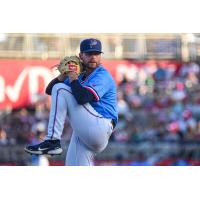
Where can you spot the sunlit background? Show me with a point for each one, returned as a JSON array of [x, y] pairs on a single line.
[[158, 96]]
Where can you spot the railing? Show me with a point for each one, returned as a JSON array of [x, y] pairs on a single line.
[[15, 153], [115, 45]]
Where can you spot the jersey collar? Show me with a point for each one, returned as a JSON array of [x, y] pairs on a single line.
[[96, 70]]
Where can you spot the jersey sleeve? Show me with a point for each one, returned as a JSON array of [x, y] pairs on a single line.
[[50, 85], [99, 85]]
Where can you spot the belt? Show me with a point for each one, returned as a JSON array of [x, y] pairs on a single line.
[[113, 123]]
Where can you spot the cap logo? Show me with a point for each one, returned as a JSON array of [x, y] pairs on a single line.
[[93, 43]]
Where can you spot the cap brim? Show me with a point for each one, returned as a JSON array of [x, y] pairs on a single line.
[[91, 50]]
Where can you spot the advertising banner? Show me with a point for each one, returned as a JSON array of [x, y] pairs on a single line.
[[22, 80]]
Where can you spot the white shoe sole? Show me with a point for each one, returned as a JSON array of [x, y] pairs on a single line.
[[52, 152], [33, 152], [55, 152]]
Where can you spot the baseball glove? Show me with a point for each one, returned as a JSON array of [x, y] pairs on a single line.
[[70, 63]]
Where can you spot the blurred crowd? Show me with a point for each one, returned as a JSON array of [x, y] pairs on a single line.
[[159, 104], [28, 125]]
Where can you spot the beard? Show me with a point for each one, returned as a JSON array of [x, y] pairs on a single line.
[[92, 65]]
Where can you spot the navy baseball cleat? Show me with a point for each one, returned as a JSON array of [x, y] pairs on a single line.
[[50, 147]]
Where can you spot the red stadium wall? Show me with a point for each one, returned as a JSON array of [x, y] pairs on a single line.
[[20, 80]]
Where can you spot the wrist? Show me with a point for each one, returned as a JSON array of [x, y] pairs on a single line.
[[61, 77], [72, 79]]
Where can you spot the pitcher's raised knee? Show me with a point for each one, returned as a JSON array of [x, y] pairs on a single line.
[[60, 86]]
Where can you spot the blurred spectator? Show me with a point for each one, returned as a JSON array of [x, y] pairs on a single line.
[[160, 74], [140, 160], [123, 108], [119, 160], [3, 137], [180, 159]]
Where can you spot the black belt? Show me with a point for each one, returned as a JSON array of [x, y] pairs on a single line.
[[113, 123]]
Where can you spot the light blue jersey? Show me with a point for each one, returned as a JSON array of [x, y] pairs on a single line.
[[103, 87]]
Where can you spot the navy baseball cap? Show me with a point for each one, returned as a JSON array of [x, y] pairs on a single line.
[[90, 45]]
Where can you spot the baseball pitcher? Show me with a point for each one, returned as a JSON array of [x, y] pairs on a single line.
[[85, 93]]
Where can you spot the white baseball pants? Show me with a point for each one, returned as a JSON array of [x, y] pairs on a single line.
[[91, 131]]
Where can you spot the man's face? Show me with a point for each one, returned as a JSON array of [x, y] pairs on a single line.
[[91, 59]]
